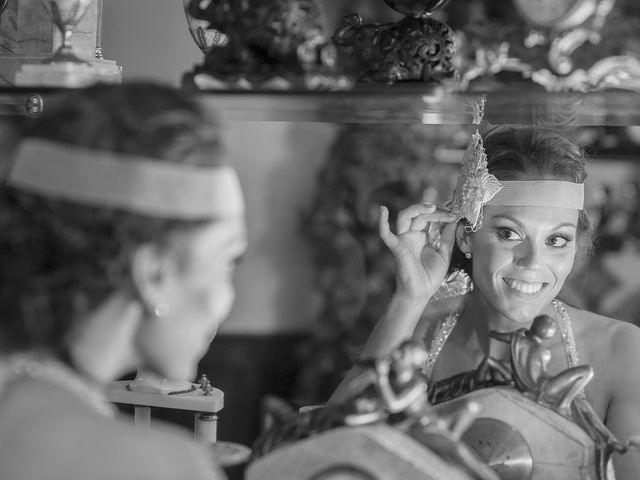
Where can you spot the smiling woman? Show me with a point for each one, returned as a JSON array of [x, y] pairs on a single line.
[[521, 258], [518, 248]]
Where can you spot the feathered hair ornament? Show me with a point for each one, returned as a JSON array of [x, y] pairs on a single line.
[[476, 186]]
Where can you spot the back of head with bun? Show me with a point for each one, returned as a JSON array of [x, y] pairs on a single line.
[[59, 259]]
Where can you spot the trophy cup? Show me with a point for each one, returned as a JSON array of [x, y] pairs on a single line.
[[66, 14], [70, 65]]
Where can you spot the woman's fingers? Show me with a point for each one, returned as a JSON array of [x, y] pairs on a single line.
[[447, 240], [403, 224], [421, 222], [430, 218], [417, 216], [389, 239]]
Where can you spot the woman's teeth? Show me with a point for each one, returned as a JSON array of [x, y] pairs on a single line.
[[528, 288]]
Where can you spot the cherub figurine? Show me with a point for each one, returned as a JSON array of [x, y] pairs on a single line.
[[390, 389], [399, 380], [402, 388], [528, 367], [391, 385], [563, 392]]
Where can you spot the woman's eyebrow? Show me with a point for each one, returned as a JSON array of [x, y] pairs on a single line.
[[514, 220], [567, 224], [507, 217]]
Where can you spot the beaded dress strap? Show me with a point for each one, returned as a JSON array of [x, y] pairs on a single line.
[[445, 328], [440, 336], [566, 334]]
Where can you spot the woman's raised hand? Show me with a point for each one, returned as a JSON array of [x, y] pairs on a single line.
[[420, 266]]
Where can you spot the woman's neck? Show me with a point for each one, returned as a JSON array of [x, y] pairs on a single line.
[[103, 348], [479, 318]]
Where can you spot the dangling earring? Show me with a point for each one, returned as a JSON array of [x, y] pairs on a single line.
[[161, 310], [468, 255]]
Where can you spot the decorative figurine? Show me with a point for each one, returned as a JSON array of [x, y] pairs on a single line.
[[399, 381], [416, 48], [266, 44], [205, 385], [393, 385], [529, 360], [526, 371], [206, 38], [389, 395], [564, 45]]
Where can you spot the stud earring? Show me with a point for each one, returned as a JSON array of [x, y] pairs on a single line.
[[161, 310], [468, 255]]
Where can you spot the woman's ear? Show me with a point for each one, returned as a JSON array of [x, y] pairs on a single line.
[[463, 238], [150, 275]]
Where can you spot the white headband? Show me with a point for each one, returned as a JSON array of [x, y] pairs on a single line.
[[136, 184], [543, 193]]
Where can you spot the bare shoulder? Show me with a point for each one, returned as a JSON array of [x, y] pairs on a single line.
[[613, 345], [601, 328]]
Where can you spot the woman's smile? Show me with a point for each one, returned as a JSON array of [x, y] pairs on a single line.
[[528, 289]]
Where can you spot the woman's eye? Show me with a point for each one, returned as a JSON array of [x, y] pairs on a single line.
[[557, 241], [505, 233]]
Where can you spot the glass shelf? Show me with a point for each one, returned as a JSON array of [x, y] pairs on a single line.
[[427, 106], [402, 104]]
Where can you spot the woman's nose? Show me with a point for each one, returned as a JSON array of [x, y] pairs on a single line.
[[528, 254]]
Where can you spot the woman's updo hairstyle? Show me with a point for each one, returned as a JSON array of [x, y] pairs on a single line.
[[517, 153], [60, 260]]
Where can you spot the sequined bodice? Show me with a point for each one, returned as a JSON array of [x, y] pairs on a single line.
[[445, 328]]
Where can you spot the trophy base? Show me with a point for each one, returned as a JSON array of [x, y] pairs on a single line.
[[371, 452], [521, 439], [68, 74], [65, 54], [150, 383]]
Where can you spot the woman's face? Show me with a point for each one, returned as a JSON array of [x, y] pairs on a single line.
[[522, 257], [199, 294]]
